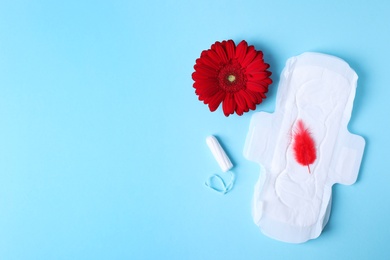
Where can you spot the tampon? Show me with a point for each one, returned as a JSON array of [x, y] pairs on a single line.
[[219, 154]]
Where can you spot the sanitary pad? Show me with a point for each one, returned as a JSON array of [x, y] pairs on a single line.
[[291, 203]]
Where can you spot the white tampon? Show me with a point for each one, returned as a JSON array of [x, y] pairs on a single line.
[[219, 154]]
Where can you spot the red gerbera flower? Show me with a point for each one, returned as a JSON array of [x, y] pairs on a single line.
[[237, 77]]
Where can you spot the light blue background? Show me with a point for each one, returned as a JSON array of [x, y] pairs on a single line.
[[102, 139]]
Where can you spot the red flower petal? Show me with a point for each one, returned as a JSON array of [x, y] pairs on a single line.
[[250, 99], [267, 80], [206, 91], [239, 111], [228, 104], [199, 76], [250, 55], [256, 86], [259, 55], [257, 64], [206, 70], [217, 47], [206, 60], [259, 76], [257, 95], [216, 100], [206, 84], [241, 102], [241, 51], [230, 48], [214, 56]]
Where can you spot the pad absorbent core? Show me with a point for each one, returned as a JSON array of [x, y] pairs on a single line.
[[292, 198]]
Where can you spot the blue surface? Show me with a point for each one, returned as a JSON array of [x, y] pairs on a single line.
[[102, 139]]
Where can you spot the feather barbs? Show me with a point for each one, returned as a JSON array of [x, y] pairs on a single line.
[[304, 149]]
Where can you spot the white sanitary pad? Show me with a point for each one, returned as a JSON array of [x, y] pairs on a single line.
[[290, 204]]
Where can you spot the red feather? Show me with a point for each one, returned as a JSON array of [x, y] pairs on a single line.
[[304, 146]]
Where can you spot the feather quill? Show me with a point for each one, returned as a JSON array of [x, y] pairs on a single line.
[[303, 145]]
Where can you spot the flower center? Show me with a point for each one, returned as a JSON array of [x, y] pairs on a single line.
[[231, 77]]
